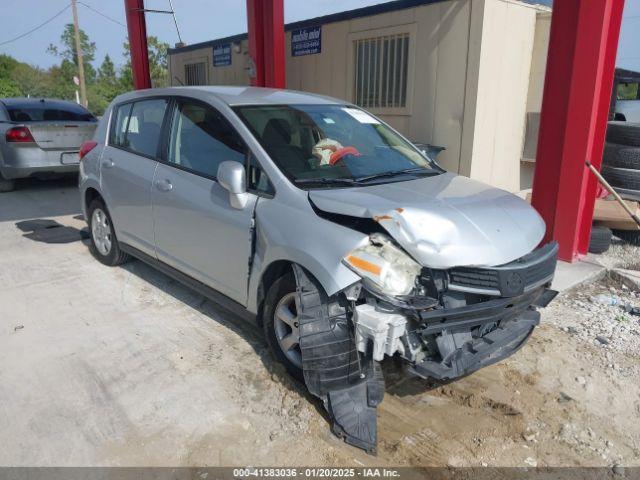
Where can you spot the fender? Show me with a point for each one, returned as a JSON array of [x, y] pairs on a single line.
[[300, 236]]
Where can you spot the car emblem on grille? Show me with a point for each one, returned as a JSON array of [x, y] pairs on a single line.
[[514, 284]]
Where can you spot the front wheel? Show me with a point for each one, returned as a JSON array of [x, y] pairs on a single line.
[[104, 244], [282, 326]]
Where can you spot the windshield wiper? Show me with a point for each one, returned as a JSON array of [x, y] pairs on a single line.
[[412, 171], [325, 181]]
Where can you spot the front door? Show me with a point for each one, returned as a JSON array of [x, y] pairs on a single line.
[[196, 229], [128, 165]]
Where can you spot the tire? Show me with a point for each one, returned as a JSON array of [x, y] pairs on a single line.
[[600, 240], [6, 185], [625, 178], [624, 133], [621, 156], [106, 253], [630, 236], [277, 297]]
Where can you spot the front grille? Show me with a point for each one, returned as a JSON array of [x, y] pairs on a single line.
[[511, 279], [474, 278]]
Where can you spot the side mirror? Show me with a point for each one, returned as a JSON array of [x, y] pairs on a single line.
[[233, 178]]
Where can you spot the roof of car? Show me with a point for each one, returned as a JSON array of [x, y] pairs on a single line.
[[33, 100], [234, 96]]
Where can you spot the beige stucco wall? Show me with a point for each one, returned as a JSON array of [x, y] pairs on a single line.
[[497, 90], [536, 85], [468, 91], [235, 74]]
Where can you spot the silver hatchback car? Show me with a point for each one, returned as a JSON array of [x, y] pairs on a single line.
[[344, 241], [41, 137]]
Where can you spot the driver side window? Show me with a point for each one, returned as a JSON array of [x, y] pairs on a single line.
[[201, 139]]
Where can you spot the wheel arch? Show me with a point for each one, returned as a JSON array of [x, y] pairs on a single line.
[[91, 194], [273, 271]]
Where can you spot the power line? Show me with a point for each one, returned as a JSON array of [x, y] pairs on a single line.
[[36, 28], [102, 14]]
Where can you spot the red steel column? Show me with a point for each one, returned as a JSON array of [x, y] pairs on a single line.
[[265, 20], [577, 92], [137, 28]]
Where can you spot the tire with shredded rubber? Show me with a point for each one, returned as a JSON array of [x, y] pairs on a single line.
[[624, 133], [621, 156]]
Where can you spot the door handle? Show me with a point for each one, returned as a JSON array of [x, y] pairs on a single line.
[[107, 163], [164, 185]]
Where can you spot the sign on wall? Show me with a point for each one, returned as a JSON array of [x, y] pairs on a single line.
[[306, 41], [222, 55]]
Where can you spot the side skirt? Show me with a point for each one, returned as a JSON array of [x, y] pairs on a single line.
[[208, 292]]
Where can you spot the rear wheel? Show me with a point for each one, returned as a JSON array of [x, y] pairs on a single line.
[[6, 185], [282, 326], [104, 244]]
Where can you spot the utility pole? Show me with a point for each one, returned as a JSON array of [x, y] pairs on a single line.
[[76, 29]]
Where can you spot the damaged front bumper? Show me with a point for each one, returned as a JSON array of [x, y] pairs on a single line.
[[466, 327], [443, 333], [514, 321]]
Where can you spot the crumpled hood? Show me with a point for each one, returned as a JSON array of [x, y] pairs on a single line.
[[444, 221]]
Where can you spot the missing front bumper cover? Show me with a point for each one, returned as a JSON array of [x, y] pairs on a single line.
[[502, 342]]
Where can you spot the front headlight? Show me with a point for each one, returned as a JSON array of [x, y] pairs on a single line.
[[385, 266]]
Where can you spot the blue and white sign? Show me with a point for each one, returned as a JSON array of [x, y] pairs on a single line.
[[222, 55], [306, 41]]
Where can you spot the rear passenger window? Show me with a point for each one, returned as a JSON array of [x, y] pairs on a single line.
[[137, 126], [201, 139]]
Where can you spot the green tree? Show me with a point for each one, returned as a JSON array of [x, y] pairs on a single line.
[[107, 72], [7, 65], [106, 87], [157, 64], [9, 88], [67, 50]]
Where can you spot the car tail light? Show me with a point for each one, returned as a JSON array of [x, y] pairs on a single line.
[[19, 135], [86, 148]]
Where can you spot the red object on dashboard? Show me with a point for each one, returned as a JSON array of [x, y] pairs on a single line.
[[338, 154]]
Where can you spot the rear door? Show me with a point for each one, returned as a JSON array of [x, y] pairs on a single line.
[[127, 167], [196, 229]]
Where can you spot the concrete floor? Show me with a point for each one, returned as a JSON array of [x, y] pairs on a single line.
[[124, 367], [119, 366]]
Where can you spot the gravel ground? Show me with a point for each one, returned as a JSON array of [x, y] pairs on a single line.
[[124, 367]]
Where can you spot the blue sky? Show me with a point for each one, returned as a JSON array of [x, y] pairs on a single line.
[[199, 21]]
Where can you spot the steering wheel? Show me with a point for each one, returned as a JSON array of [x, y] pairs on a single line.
[[342, 152]]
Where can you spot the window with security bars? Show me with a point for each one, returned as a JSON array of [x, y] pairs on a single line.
[[381, 67], [195, 74]]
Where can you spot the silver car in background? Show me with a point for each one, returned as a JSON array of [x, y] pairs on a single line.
[[344, 241], [41, 137]]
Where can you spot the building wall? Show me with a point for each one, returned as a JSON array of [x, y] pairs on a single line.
[[497, 90], [468, 91], [534, 97]]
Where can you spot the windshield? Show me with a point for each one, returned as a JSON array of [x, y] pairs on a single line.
[[333, 145]]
